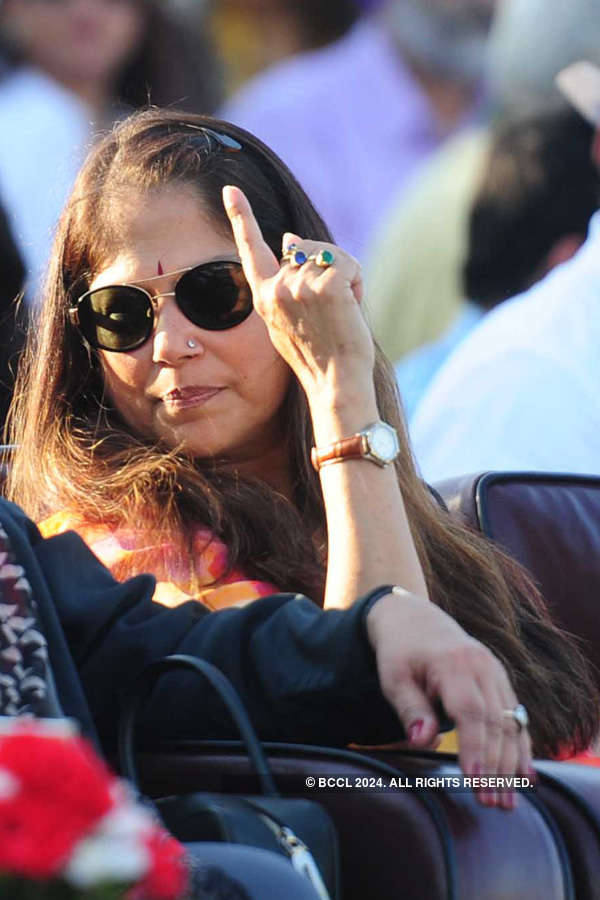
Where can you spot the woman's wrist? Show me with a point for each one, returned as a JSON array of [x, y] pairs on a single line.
[[374, 608], [341, 412]]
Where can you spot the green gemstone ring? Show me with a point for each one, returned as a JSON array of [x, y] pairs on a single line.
[[324, 258]]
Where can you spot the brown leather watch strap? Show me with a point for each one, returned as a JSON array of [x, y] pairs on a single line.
[[349, 448]]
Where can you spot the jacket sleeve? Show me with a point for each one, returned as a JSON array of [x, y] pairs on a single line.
[[304, 674]]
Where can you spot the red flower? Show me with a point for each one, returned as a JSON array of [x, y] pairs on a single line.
[[64, 789], [167, 878]]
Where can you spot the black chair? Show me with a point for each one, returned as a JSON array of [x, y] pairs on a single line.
[[550, 523]]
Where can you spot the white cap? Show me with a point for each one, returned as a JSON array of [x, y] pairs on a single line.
[[580, 84]]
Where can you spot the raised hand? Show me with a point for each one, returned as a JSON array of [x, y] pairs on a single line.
[[312, 312]]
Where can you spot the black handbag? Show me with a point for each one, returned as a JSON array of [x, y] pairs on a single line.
[[300, 829]]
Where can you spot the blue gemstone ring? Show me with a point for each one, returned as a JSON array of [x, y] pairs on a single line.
[[294, 257]]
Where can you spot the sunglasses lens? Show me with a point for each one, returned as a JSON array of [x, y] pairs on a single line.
[[215, 296], [116, 318]]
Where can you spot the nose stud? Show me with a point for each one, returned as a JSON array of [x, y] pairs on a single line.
[[191, 344]]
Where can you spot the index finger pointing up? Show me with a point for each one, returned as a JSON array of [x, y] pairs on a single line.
[[257, 258]]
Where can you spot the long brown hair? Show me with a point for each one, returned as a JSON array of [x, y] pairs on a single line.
[[77, 454]]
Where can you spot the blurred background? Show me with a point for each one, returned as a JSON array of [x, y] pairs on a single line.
[[402, 119]]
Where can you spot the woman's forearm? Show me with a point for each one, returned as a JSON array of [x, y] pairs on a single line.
[[369, 539]]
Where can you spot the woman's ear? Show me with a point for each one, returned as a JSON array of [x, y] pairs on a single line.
[[562, 250]]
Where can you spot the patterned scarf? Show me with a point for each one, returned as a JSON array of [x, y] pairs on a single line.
[[24, 663]]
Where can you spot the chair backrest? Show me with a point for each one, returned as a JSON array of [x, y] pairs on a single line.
[[551, 524]]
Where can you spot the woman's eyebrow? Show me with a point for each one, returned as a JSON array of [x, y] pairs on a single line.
[[231, 257]]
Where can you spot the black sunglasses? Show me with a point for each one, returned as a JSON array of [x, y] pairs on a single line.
[[120, 317]]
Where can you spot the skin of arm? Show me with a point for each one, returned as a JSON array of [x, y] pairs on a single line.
[[314, 321], [369, 539]]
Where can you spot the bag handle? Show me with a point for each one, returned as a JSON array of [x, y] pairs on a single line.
[[141, 690]]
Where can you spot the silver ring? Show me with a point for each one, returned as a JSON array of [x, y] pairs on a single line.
[[191, 344], [518, 714]]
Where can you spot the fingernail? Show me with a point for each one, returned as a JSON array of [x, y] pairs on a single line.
[[415, 730], [227, 197], [532, 774], [486, 797], [508, 800]]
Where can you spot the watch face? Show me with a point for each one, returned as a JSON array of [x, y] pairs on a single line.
[[383, 442]]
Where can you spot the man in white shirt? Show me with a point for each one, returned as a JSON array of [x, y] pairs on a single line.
[[523, 390]]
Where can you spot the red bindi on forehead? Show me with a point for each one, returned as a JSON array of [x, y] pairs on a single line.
[[160, 270]]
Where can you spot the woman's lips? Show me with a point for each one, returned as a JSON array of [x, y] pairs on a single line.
[[185, 398]]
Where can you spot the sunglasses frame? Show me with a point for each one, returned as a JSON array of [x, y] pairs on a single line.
[[75, 319]]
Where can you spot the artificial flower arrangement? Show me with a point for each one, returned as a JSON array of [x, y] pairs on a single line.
[[69, 829]]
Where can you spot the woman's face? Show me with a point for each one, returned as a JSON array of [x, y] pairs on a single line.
[[76, 40], [220, 397]]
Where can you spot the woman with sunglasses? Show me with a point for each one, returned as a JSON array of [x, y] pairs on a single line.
[[203, 400]]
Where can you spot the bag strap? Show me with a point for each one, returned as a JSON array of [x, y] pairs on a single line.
[[142, 687]]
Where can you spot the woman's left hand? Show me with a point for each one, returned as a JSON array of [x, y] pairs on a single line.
[[424, 656], [312, 313]]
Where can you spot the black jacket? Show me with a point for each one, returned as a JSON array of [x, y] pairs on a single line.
[[305, 675]]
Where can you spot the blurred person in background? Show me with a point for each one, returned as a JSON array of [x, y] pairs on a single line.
[[531, 212], [70, 68], [418, 293], [73, 67], [522, 391], [413, 261], [354, 119], [532, 40], [293, 26]]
